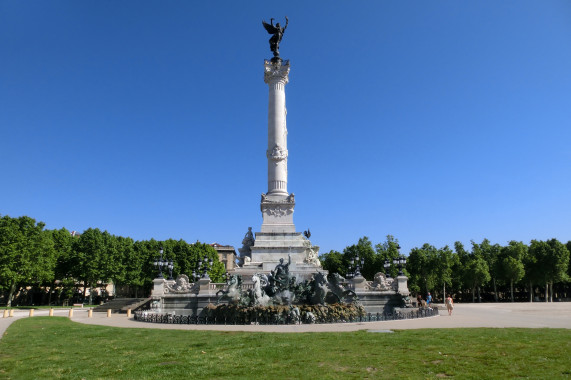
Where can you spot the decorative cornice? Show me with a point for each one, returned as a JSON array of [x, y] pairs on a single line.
[[289, 200]]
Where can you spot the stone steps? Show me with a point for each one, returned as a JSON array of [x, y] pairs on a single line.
[[120, 305]]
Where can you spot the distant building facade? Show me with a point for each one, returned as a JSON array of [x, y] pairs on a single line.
[[226, 255]]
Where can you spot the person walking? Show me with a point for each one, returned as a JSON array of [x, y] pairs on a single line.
[[428, 299], [449, 304]]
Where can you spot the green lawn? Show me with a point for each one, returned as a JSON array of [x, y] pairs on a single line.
[[57, 348]]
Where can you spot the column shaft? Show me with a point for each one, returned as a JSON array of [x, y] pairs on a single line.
[[276, 77]]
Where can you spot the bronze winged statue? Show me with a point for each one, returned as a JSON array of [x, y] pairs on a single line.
[[277, 33]]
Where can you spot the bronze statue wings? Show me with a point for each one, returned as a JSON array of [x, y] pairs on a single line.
[[269, 27]]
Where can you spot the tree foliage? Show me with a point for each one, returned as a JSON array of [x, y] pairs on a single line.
[[27, 254], [32, 258]]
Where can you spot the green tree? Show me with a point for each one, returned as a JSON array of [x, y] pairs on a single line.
[[93, 257], [27, 254], [63, 245], [202, 250], [332, 261], [461, 260], [131, 264], [490, 253], [146, 251], [476, 274], [550, 263], [568, 245], [364, 250], [445, 260], [386, 251], [186, 258], [512, 268], [111, 262], [513, 271], [420, 266]]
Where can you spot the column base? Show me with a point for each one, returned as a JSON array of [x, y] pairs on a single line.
[[277, 213]]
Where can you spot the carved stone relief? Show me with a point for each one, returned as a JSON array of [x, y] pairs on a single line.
[[278, 153], [181, 285], [278, 210]]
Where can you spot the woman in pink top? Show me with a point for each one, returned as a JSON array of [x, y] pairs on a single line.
[[449, 304]]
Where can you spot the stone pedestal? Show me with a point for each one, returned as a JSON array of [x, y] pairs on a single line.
[[158, 287], [359, 283], [402, 286], [204, 285]]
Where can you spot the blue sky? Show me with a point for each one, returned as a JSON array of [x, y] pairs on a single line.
[[433, 121]]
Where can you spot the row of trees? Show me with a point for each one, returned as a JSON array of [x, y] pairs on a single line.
[[48, 266], [489, 271]]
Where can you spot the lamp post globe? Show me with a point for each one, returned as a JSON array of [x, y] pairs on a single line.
[[387, 265], [170, 266]]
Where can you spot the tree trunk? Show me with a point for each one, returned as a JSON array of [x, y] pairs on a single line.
[[473, 294], [11, 294], [59, 293], [479, 296], [52, 286], [495, 291], [546, 291], [530, 292], [444, 291], [84, 289], [551, 292], [512, 289]]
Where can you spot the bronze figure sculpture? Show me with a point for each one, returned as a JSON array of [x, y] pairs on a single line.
[[277, 33]]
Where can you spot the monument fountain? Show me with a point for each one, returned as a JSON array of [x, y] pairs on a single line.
[[279, 278]]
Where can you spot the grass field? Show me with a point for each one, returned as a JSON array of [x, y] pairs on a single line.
[[57, 348]]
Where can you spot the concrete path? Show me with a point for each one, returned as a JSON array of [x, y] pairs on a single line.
[[529, 315]]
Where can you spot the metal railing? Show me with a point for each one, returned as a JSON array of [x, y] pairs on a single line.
[[155, 317]]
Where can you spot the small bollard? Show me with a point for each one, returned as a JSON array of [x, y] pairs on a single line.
[[108, 313], [11, 312], [89, 313], [128, 313], [51, 312], [70, 315], [5, 313], [31, 312]]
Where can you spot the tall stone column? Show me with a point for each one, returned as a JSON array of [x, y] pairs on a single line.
[[276, 76], [277, 205], [277, 238]]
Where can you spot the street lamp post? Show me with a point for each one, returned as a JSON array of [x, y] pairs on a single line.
[[160, 263], [357, 264], [400, 262], [204, 265]]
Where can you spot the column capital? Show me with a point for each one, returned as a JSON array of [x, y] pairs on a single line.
[[276, 71]]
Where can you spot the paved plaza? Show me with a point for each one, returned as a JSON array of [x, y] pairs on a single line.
[[498, 315]]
